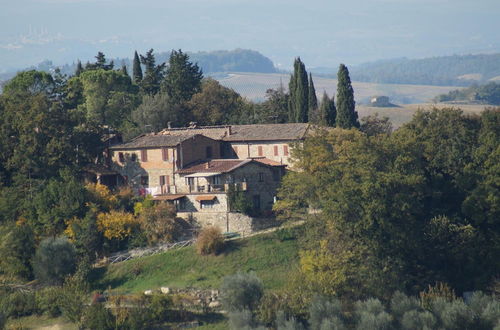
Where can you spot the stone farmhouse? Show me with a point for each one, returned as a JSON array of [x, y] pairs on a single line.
[[194, 168]]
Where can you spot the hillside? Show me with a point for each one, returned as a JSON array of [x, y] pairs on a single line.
[[485, 94], [266, 255], [456, 70]]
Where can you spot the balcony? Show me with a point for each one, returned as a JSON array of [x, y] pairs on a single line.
[[210, 188]]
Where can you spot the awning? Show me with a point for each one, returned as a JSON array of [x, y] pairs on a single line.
[[167, 197], [201, 175], [205, 198]]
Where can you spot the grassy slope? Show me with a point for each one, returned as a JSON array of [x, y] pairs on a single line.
[[269, 257]]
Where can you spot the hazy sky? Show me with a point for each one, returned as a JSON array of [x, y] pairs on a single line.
[[322, 32]]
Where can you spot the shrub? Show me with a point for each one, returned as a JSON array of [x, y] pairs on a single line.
[[73, 295], [418, 320], [98, 317], [241, 291], [241, 319], [456, 315], [440, 290], [159, 306], [160, 223], [117, 225], [291, 323], [325, 313], [210, 241], [55, 259], [401, 303], [19, 303], [370, 314], [48, 301]]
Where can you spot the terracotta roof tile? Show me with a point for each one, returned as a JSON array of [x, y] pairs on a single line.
[[153, 141]]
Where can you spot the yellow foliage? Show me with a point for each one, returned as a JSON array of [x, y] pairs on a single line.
[[69, 231], [116, 224], [102, 195]]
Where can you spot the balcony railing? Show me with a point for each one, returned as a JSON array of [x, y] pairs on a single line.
[[208, 188]]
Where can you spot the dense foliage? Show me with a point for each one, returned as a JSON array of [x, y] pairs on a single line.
[[400, 211], [486, 94]]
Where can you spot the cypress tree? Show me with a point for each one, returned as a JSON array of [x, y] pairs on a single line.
[[124, 70], [79, 68], [313, 101], [299, 94], [347, 117], [327, 111], [136, 69], [153, 75]]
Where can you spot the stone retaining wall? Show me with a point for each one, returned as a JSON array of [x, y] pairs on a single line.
[[229, 221]]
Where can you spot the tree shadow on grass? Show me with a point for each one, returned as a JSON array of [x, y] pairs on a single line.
[[231, 246]]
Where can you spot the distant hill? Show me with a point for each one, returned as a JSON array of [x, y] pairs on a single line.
[[238, 60], [456, 70]]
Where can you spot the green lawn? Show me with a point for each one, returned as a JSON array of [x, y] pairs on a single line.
[[267, 256]]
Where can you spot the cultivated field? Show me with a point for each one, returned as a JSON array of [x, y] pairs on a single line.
[[254, 85]]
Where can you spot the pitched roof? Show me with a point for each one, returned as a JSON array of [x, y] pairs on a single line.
[[258, 132], [154, 141], [291, 131], [224, 165]]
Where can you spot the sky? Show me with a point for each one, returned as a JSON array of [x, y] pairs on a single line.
[[323, 33]]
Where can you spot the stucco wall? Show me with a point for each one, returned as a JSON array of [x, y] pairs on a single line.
[[251, 149]]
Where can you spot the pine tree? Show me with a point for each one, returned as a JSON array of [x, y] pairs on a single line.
[[79, 68], [183, 78], [100, 63], [153, 74], [298, 105], [347, 117], [327, 111], [136, 69], [313, 101]]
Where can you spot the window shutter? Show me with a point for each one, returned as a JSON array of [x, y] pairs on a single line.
[[260, 150], [144, 155], [285, 150], [276, 150]]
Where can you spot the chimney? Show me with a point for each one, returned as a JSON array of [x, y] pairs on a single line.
[[207, 165], [228, 130], [169, 125]]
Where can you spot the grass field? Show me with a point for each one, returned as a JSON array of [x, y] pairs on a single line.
[[254, 85], [267, 256]]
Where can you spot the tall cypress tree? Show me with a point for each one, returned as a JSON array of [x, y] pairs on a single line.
[[299, 94], [313, 101], [327, 111], [79, 68], [347, 117], [136, 69], [124, 70], [153, 75]]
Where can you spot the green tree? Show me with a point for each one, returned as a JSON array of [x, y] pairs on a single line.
[[55, 259], [79, 68], [216, 104], [17, 248], [136, 69], [275, 107], [100, 63], [298, 104], [153, 74], [313, 101], [183, 78], [347, 117], [327, 111], [155, 111]]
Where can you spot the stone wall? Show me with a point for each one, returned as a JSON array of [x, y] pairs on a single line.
[[229, 221]]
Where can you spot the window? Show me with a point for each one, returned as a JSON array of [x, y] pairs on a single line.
[[133, 157], [216, 179], [145, 180], [260, 150], [190, 181], [276, 150], [285, 150], [121, 157], [261, 176], [207, 204], [164, 154], [164, 180], [144, 155]]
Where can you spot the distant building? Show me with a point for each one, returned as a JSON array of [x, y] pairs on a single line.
[[380, 101]]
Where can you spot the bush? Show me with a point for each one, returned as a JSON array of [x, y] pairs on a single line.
[[241, 291], [48, 301], [370, 314], [440, 290], [325, 313], [98, 317], [401, 303], [55, 259], [210, 241], [18, 303], [73, 295], [291, 323], [159, 223], [241, 319], [159, 306]]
